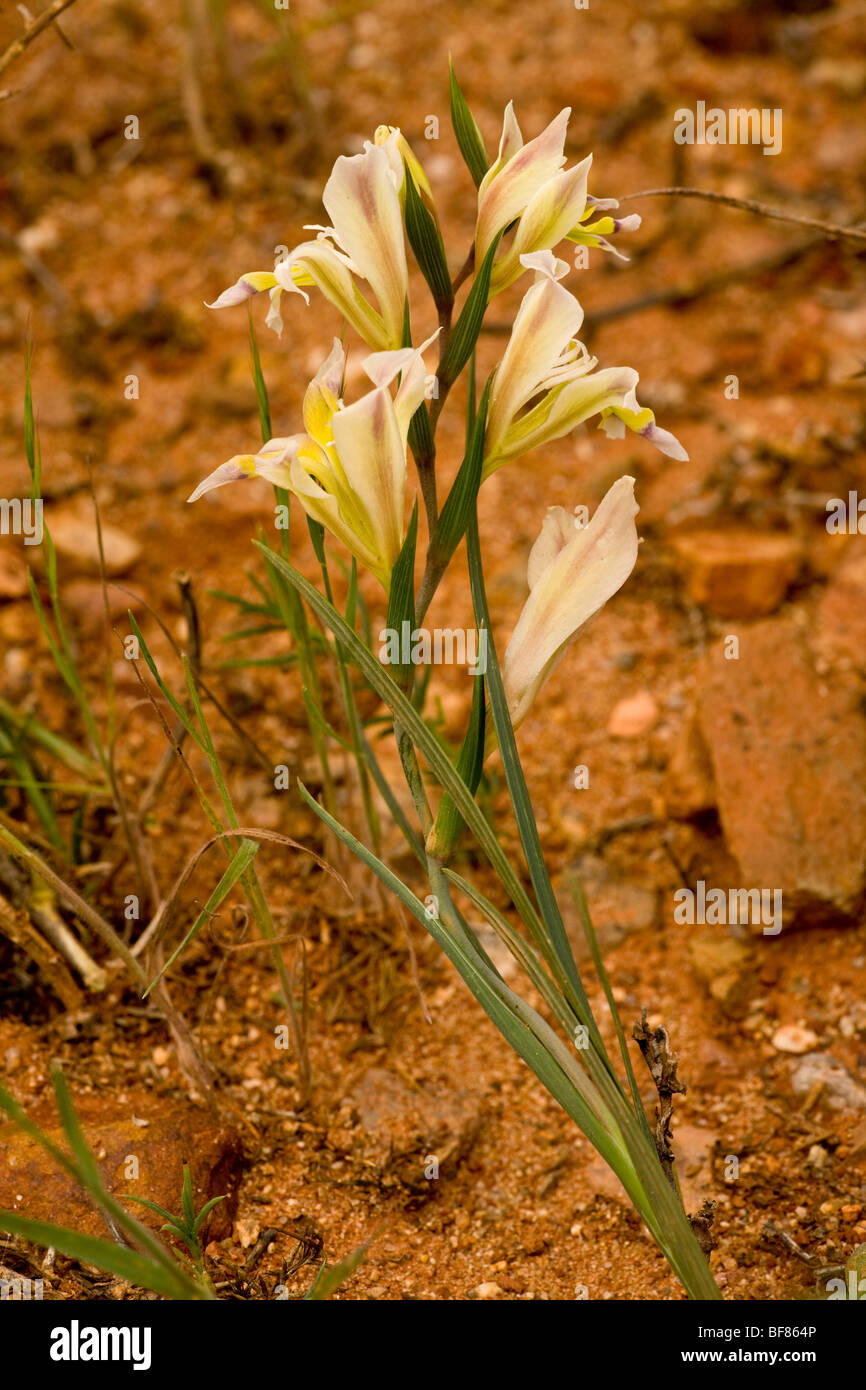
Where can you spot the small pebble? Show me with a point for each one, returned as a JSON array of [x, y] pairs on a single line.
[[633, 716], [793, 1037]]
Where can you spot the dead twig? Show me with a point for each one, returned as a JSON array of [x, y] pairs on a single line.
[[833, 230], [33, 30], [190, 1060], [690, 290], [16, 926], [163, 917], [37, 923], [655, 1047], [31, 262]]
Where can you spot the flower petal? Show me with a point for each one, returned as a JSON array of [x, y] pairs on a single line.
[[549, 216], [243, 289], [319, 263], [510, 142], [323, 394], [562, 409], [237, 468], [370, 446], [557, 529], [570, 588], [507, 194], [364, 207], [323, 507], [545, 263], [546, 322]]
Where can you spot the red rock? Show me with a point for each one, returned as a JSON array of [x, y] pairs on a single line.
[[689, 789], [789, 764], [32, 1183], [839, 634], [738, 573]]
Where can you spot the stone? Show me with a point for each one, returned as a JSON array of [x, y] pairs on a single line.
[[73, 529], [789, 764], [793, 1037], [487, 1291], [32, 1184], [738, 573], [13, 573], [409, 1135], [689, 790], [633, 716], [841, 1090], [83, 600], [723, 962], [839, 632]]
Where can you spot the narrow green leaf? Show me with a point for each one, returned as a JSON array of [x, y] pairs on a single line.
[[576, 889], [421, 437], [260, 385], [238, 865], [328, 1280], [401, 602], [52, 743], [469, 137], [407, 716], [426, 242], [465, 333], [317, 536], [167, 1216], [529, 1035], [187, 1201], [104, 1254], [87, 1166], [519, 794], [449, 822], [206, 1211], [88, 1175], [454, 517]]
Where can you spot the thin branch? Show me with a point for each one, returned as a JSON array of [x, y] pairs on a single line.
[[33, 30], [830, 229], [689, 291]]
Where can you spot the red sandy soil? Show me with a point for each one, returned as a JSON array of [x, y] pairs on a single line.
[[135, 236]]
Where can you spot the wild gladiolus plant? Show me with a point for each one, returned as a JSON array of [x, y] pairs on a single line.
[[347, 467]]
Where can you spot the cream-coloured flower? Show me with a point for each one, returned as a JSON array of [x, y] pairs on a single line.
[[365, 240], [572, 573], [348, 470], [546, 383], [527, 187]]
